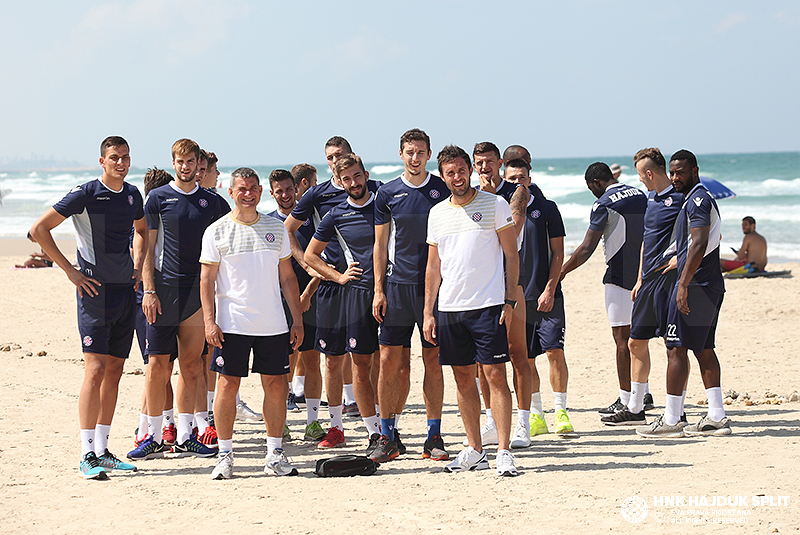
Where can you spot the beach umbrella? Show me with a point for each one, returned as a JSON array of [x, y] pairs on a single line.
[[717, 189]]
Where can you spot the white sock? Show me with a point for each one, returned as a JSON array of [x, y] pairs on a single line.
[[377, 410], [560, 400], [225, 445], [636, 402], [274, 443], [373, 424], [169, 417], [299, 385], [184, 426], [312, 409], [716, 410], [489, 418], [624, 397], [536, 403], [101, 433], [201, 419], [397, 420], [523, 417], [673, 410], [349, 396], [155, 428], [87, 441], [647, 388], [142, 432], [478, 382], [238, 399], [210, 400], [336, 416]]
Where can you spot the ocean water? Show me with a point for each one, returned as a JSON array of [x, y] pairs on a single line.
[[767, 187]]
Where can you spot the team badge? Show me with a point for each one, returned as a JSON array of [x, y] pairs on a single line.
[[270, 237], [536, 214], [203, 203], [434, 193], [698, 201], [477, 216], [307, 222], [668, 201], [353, 342], [220, 361], [322, 343], [130, 200], [87, 340]]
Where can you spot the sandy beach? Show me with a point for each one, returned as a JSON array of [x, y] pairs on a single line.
[[576, 485]]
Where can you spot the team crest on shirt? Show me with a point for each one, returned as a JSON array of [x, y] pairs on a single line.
[[220, 361], [698, 201], [353, 342], [203, 203], [270, 237], [307, 222], [322, 343], [477, 216], [668, 201], [87, 340], [434, 193], [130, 200], [535, 214]]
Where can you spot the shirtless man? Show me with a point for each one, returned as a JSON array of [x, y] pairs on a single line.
[[753, 250]]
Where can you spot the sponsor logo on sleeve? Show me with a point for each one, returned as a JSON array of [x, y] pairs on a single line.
[[698, 201]]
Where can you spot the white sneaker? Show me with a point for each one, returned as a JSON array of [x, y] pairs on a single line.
[[246, 414], [277, 463], [224, 468], [468, 459], [505, 464], [521, 437], [488, 435]]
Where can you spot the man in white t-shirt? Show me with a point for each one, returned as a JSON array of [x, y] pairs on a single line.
[[468, 237], [245, 265]]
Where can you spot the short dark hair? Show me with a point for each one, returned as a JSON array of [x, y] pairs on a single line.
[[339, 141], [279, 175], [652, 154], [112, 141], [514, 152], [684, 154], [415, 134], [599, 171], [518, 163], [484, 147], [155, 178], [749, 219], [211, 157], [303, 170], [346, 162], [451, 153], [244, 172], [203, 156]]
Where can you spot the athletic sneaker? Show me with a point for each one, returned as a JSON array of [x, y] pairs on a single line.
[[386, 450], [209, 438], [521, 437], [538, 425], [625, 417], [434, 449], [224, 468], [136, 439], [291, 403], [287, 434], [684, 421], [611, 409], [707, 426], [563, 424], [351, 410], [334, 438], [278, 464], [170, 435], [648, 402], [505, 464], [89, 467], [300, 400], [400, 446], [314, 431], [468, 459], [110, 461], [193, 447], [211, 419], [658, 428], [246, 414], [373, 443], [488, 435], [147, 449]]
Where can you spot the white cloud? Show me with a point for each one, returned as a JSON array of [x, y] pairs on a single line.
[[367, 49], [729, 22]]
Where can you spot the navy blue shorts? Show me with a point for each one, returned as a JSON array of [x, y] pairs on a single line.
[[362, 327], [545, 330], [405, 303], [650, 308], [309, 320], [106, 321], [270, 355], [331, 333], [472, 335], [696, 331], [141, 329], [177, 305]]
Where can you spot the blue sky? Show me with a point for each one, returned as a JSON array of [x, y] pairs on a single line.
[[269, 82]]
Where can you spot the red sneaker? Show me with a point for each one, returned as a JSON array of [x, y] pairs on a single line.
[[170, 434], [209, 438], [334, 439]]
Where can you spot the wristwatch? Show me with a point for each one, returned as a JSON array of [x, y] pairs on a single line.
[[511, 302]]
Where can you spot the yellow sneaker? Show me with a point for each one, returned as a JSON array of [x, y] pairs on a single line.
[[538, 425], [563, 424]]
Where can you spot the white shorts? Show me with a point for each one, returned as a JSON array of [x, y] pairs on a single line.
[[618, 305]]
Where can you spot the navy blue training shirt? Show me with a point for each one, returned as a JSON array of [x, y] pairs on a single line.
[[543, 221], [658, 244], [700, 210]]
